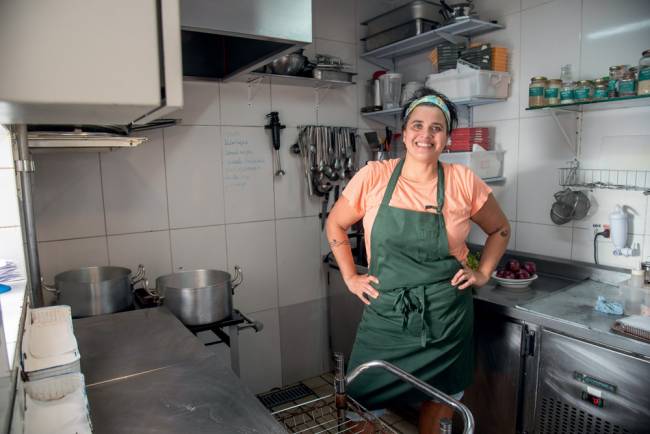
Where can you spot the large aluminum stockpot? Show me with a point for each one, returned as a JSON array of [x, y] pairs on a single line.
[[199, 297], [93, 291]]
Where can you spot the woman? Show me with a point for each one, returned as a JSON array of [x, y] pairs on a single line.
[[416, 214]]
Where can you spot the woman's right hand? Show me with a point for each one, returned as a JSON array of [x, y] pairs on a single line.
[[359, 285]]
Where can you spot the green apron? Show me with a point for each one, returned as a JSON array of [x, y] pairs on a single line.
[[419, 322]]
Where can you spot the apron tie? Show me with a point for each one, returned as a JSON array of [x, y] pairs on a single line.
[[409, 302]]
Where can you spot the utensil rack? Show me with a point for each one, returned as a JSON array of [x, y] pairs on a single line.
[[633, 180]]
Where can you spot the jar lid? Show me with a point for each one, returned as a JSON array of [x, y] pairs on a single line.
[[602, 81], [586, 82], [540, 78], [555, 81], [646, 53]]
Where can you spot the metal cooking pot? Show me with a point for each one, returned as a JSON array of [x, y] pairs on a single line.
[[289, 64], [200, 296], [93, 291]]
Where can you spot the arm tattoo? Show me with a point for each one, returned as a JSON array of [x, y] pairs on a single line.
[[504, 233], [336, 243]]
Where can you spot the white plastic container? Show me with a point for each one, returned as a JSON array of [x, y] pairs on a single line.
[[485, 164], [467, 82]]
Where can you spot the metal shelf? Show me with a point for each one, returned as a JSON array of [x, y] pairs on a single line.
[[633, 180], [461, 30], [295, 80], [390, 117], [606, 104]]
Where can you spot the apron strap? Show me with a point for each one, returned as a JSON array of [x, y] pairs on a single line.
[[390, 188]]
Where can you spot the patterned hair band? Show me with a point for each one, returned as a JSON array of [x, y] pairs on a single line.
[[431, 99]]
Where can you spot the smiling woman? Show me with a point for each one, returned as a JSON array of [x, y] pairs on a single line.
[[416, 213]]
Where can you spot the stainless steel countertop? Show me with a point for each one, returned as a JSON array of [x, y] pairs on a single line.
[[146, 372], [563, 299]]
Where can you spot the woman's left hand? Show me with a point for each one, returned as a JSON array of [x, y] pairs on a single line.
[[465, 277]]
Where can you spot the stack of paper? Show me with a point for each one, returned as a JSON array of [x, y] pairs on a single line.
[[9, 271]]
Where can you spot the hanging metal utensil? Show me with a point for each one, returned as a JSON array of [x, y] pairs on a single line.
[[275, 126]]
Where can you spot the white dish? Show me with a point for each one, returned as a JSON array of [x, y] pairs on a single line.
[[513, 283]]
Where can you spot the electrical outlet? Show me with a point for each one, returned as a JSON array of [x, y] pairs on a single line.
[[601, 229]]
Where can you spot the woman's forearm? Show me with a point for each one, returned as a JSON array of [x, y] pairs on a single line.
[[337, 238], [495, 246]]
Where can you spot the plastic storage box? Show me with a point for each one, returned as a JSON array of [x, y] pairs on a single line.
[[467, 82], [485, 164]]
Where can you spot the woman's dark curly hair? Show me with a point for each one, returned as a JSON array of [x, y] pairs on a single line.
[[453, 112]]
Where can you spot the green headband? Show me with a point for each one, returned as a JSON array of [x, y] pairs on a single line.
[[431, 99]]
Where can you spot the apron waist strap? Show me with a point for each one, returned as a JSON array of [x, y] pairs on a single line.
[[412, 301]]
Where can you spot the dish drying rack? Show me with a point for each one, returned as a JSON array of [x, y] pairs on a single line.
[[633, 180], [319, 416]]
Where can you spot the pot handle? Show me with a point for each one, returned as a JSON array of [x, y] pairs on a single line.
[[139, 276], [51, 289], [238, 279]]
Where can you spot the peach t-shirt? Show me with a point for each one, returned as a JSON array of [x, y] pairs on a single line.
[[465, 194]]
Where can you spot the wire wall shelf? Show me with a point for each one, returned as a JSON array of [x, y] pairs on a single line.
[[634, 180]]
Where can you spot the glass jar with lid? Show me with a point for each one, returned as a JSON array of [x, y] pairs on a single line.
[[552, 91], [643, 87], [615, 74], [627, 84], [567, 92], [600, 88], [536, 91], [584, 91]]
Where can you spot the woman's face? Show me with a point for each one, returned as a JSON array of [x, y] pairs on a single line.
[[425, 133]]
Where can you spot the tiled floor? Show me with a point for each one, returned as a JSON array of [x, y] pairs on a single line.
[[317, 413]]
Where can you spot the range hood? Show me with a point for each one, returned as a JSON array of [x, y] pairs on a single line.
[[223, 39], [92, 138]]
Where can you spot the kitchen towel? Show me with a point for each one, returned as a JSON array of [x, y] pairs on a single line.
[[610, 307]]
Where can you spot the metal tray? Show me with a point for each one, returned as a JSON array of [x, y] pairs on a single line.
[[399, 33], [414, 10], [333, 75]]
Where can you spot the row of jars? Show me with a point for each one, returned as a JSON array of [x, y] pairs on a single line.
[[623, 80]]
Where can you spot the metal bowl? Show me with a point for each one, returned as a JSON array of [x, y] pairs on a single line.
[[290, 64]]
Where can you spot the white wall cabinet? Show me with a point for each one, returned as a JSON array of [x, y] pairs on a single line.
[[89, 61]]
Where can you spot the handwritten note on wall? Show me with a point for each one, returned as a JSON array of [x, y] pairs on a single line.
[[242, 160]]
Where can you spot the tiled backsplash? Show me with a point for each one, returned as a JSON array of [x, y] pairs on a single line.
[[182, 201]]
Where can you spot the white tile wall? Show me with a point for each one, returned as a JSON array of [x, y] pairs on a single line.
[[193, 158], [497, 9], [6, 154], [58, 256], [583, 249], [295, 106], [197, 248], [550, 38], [9, 199], [252, 246], [549, 240], [200, 105], [245, 104], [68, 198], [620, 32], [299, 260], [541, 151], [151, 249], [259, 353], [248, 174], [134, 186]]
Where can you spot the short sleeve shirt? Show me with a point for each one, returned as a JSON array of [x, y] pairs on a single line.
[[465, 195]]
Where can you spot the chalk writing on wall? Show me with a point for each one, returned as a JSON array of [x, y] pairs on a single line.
[[241, 161]]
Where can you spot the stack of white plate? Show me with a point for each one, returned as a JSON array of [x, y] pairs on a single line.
[[49, 346], [57, 405]]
